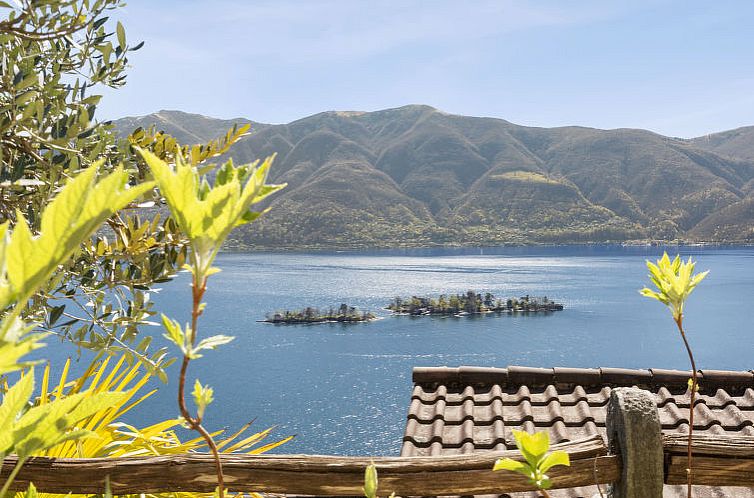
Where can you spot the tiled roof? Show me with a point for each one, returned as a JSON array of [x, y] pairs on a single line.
[[471, 409]]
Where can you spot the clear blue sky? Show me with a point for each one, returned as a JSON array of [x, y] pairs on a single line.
[[682, 68]]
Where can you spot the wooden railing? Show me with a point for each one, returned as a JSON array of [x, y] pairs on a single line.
[[308, 474], [718, 461]]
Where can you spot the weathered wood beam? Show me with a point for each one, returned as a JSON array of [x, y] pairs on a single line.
[[719, 460], [711, 471], [710, 444], [309, 474]]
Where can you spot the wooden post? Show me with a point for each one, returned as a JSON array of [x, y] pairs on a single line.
[[634, 433]]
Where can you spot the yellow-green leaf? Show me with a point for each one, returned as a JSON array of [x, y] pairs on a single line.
[[553, 459], [14, 400], [509, 464], [370, 481]]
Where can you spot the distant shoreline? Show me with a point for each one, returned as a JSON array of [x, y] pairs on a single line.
[[466, 249]]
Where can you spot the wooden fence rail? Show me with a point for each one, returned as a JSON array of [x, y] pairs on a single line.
[[718, 460], [643, 461], [309, 474]]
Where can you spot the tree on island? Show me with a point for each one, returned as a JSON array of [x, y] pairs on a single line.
[[344, 314], [470, 302]]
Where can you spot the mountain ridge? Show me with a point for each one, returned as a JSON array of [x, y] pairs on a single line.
[[416, 176]]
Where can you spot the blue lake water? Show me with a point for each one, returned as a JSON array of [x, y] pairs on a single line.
[[345, 389]]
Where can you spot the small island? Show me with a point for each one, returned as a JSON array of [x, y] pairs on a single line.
[[471, 302], [343, 314]]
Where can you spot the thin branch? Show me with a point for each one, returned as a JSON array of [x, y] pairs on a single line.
[[197, 290], [692, 395]]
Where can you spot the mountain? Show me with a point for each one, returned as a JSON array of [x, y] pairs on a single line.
[[184, 127], [734, 143], [416, 176]]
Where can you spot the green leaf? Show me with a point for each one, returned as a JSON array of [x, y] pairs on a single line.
[[207, 215], [553, 459], [509, 464], [543, 482], [674, 280], [82, 205], [30, 79], [14, 401], [532, 446], [16, 342], [174, 333], [31, 492], [203, 396], [370, 481], [55, 313], [121, 33], [45, 426], [213, 342]]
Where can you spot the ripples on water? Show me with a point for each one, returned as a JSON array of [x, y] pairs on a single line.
[[345, 389]]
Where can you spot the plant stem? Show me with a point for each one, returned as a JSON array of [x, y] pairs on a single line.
[[544, 493], [679, 323], [12, 476], [198, 287]]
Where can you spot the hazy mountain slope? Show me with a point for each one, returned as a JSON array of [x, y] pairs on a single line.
[[524, 205], [732, 223], [734, 143], [417, 176], [652, 180], [186, 128], [327, 211]]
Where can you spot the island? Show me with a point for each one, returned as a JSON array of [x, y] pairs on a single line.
[[342, 314], [471, 302]]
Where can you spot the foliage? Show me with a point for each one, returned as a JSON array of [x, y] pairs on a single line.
[[343, 314], [675, 280], [55, 56], [75, 214], [52, 54], [471, 302], [371, 482], [52, 426], [206, 214], [114, 438], [534, 448], [26, 263]]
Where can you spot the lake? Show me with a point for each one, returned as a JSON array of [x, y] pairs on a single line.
[[345, 389]]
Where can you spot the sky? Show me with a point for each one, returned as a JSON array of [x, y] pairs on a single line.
[[681, 68]]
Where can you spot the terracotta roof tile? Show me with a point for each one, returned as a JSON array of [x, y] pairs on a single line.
[[534, 377], [469, 409], [625, 377], [670, 378], [576, 376]]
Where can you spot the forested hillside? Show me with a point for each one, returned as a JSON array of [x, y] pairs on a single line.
[[415, 176]]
